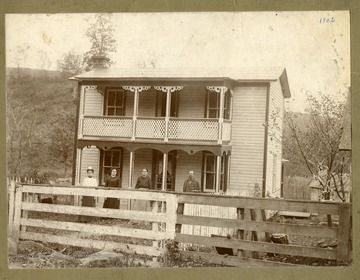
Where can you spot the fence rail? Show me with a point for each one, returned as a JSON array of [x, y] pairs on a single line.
[[244, 229]]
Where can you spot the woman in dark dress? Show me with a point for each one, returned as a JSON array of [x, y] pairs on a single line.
[[112, 181]]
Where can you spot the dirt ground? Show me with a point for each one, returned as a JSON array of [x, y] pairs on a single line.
[[47, 255]]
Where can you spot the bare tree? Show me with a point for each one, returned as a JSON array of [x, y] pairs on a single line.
[[62, 137], [311, 139], [101, 36]]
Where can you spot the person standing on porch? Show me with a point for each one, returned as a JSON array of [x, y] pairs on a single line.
[[142, 183], [112, 181], [190, 184], [88, 201]]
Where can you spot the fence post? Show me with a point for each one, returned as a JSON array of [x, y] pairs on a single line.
[[343, 246], [17, 214], [240, 233], [155, 225], [179, 211], [11, 205]]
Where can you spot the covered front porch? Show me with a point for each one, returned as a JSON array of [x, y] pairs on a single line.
[[210, 164]]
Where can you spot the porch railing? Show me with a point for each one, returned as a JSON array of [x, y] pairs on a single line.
[[107, 126], [176, 129]]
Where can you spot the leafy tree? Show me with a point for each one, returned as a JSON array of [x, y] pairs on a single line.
[[101, 36], [71, 64], [311, 141]]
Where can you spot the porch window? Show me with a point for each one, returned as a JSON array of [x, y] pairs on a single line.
[[111, 159], [115, 102], [210, 164], [213, 105]]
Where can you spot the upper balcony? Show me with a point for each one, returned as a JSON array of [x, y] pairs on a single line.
[[196, 115], [159, 129]]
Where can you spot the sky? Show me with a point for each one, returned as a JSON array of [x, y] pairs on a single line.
[[314, 47]]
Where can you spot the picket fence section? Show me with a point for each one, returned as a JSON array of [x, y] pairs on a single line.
[[239, 229]]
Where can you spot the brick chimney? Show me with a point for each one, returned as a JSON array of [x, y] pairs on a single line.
[[100, 61]]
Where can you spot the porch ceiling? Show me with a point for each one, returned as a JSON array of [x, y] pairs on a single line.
[[164, 148]]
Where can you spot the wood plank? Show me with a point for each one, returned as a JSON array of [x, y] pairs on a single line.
[[96, 229], [344, 233], [90, 243], [285, 249], [97, 212], [98, 192], [259, 226], [295, 214], [230, 260], [261, 203]]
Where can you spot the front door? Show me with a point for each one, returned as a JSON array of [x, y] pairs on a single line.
[[157, 170]]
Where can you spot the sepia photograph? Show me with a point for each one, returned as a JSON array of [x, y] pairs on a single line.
[[178, 140]]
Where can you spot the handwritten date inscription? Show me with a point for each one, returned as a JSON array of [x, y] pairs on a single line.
[[327, 20]]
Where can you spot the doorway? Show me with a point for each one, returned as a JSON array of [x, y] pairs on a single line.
[[160, 108], [157, 170]]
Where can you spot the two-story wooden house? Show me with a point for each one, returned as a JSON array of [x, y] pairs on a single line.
[[217, 122]]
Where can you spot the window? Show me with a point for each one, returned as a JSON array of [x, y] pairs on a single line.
[[111, 159], [115, 102], [213, 105], [210, 165]]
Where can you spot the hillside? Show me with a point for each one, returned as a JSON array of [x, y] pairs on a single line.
[[41, 110]]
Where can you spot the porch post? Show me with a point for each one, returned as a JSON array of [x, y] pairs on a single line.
[[135, 90], [218, 174], [164, 172], [136, 109], [81, 112], [221, 113], [131, 169], [168, 90]]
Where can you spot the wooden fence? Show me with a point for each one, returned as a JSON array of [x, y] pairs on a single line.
[[245, 236], [68, 230]]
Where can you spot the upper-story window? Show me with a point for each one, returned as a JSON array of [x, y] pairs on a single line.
[[115, 102], [213, 104]]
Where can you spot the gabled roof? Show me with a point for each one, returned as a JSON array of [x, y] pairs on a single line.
[[248, 74]]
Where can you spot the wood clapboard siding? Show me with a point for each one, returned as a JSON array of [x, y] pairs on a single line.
[[89, 157], [192, 102], [93, 103], [276, 104], [249, 107]]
